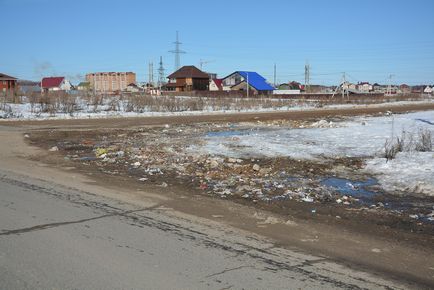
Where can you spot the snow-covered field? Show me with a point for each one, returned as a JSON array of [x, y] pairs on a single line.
[[112, 107], [359, 137]]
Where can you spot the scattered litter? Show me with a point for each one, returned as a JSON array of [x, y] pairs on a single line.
[[217, 216], [136, 164], [307, 199], [54, 148], [101, 151]]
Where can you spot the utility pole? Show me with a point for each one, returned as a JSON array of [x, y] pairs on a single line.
[[177, 52], [247, 84], [151, 74], [160, 73], [389, 85], [307, 77], [274, 74]]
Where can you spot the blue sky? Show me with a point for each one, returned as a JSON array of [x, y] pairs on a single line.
[[366, 39]]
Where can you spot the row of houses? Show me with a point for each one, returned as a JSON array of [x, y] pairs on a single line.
[[187, 78], [101, 82], [366, 87], [190, 78]]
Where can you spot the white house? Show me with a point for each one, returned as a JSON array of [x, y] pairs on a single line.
[[364, 87], [428, 90], [55, 84], [133, 88]]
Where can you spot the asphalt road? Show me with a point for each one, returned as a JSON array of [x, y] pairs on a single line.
[[56, 237]]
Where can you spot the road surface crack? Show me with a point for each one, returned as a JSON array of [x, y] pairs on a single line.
[[228, 270], [54, 225]]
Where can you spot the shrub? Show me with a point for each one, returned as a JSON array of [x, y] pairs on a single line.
[[407, 143], [424, 141]]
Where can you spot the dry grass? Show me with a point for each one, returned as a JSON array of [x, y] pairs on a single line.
[[62, 103], [420, 141]]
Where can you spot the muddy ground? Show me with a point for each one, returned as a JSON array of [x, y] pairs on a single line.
[[159, 159]]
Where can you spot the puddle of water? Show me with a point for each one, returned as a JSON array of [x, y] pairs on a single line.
[[359, 189], [350, 187], [229, 133]]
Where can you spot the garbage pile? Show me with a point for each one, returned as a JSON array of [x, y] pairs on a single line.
[[160, 157]]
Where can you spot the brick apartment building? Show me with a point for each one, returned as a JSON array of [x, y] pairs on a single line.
[[110, 82], [7, 83]]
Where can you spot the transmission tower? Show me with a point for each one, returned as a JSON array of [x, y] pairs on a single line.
[[307, 77], [161, 73], [151, 74], [177, 52]]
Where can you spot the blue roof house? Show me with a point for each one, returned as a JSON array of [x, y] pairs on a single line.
[[237, 81]]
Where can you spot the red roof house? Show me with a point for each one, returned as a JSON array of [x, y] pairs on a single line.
[[55, 84], [216, 85]]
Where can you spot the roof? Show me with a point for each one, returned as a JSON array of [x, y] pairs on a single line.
[[52, 82], [110, 73], [256, 80], [4, 77], [218, 83], [84, 84], [189, 71]]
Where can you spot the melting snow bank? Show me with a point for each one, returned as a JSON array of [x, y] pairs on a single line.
[[361, 137], [408, 172]]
